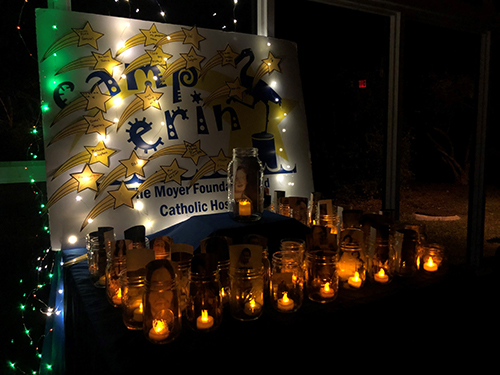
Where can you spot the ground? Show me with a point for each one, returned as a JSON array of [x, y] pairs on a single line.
[[446, 201]]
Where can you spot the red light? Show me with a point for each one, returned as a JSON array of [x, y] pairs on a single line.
[[362, 83]]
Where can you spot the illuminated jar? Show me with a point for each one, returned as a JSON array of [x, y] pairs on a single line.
[[433, 257], [96, 254], [132, 285], [352, 265], [382, 264], [162, 320], [204, 309], [245, 185], [247, 293], [181, 262], [287, 282], [322, 278], [117, 262]]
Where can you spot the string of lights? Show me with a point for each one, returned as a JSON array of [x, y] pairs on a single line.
[[35, 308]]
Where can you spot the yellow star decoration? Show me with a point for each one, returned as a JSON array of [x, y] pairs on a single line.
[[158, 57], [193, 151], [152, 35], [123, 196], [192, 59], [192, 36], [105, 62], [87, 36], [221, 161], [235, 88], [150, 98], [272, 63], [97, 124], [87, 179], [134, 165], [96, 99], [228, 56], [99, 153], [173, 172]]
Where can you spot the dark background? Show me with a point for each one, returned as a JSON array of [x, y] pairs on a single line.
[[346, 123]]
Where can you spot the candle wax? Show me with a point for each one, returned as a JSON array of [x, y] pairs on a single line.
[[354, 281], [244, 208], [285, 303], [381, 276], [430, 265], [252, 308], [204, 322], [159, 335], [326, 291]]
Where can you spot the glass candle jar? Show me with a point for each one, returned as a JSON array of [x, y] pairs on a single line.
[[433, 257], [97, 242], [117, 262], [204, 310], [181, 262], [382, 265], [225, 283], [162, 318], [245, 185], [287, 282], [247, 293], [322, 278], [132, 285], [352, 266], [407, 252]]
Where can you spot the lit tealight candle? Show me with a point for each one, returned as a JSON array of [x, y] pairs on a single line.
[[430, 265], [355, 281], [204, 321], [244, 207], [159, 331], [285, 303], [117, 297], [326, 291], [381, 276], [252, 307], [138, 314]]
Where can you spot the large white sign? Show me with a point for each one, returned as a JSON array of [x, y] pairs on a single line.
[[140, 119]]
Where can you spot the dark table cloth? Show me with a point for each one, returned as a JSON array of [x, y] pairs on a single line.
[[97, 341]]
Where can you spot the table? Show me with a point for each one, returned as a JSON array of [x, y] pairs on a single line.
[[97, 341]]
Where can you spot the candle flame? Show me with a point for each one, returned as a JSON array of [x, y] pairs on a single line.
[[285, 297], [244, 202], [326, 288], [381, 273], [430, 263], [119, 293], [140, 308], [252, 303], [204, 315], [160, 326], [356, 276]]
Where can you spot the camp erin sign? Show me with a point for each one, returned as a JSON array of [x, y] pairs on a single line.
[[140, 119]]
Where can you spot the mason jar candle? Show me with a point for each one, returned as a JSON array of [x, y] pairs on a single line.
[[287, 282], [352, 266], [322, 278], [204, 309], [245, 185], [162, 318], [247, 293]]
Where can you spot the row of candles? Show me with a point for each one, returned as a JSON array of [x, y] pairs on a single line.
[[155, 287]]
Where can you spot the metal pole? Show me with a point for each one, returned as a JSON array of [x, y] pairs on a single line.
[[475, 224], [265, 18], [391, 194]]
